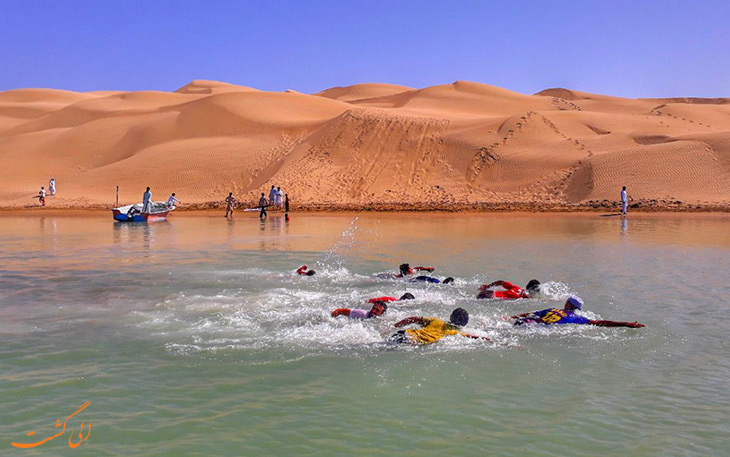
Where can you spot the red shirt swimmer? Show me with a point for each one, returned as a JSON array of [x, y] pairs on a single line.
[[510, 291], [304, 272]]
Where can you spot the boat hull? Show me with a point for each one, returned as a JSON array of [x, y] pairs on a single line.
[[158, 213]]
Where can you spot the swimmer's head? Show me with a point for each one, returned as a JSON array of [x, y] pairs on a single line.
[[448, 280], [574, 302], [407, 296], [404, 268], [459, 317], [378, 309], [485, 293], [533, 286], [311, 273]]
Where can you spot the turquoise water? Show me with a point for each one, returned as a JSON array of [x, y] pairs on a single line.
[[194, 337]]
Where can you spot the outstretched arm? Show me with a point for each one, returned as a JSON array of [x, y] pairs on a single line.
[[475, 337], [302, 269], [424, 268], [616, 324], [517, 316], [410, 320], [341, 311]]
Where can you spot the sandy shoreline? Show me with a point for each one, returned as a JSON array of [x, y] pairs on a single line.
[[534, 208]]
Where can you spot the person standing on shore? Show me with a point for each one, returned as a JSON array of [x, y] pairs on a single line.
[[624, 200], [286, 207], [279, 196], [263, 204], [42, 196], [272, 195], [230, 204], [52, 186], [146, 201]]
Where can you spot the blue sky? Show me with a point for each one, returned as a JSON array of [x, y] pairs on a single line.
[[624, 48]]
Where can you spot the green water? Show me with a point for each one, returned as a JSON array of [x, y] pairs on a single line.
[[195, 337]]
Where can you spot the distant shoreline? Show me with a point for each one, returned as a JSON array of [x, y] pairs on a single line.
[[641, 206]]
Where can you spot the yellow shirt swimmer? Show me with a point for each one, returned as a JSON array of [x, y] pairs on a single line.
[[433, 329]]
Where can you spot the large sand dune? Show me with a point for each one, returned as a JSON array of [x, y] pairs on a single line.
[[370, 145]]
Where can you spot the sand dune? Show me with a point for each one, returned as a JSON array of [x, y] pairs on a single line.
[[456, 145]]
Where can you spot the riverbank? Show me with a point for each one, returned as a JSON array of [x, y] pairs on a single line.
[[644, 206]]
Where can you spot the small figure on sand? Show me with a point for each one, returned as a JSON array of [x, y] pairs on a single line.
[[567, 316], [263, 204], [147, 201], [230, 204], [172, 201], [433, 329], [624, 200], [509, 290], [42, 196], [52, 186]]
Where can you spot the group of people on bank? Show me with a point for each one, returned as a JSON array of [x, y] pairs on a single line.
[[277, 198], [426, 330]]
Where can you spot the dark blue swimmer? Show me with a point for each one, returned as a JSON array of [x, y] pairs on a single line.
[[567, 316]]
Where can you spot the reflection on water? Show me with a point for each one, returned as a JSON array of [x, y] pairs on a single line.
[[200, 328]]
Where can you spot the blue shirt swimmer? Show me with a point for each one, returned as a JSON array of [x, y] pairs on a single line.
[[567, 316]]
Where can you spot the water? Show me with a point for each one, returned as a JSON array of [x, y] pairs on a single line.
[[195, 337]]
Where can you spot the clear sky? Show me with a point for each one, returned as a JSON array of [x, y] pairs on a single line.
[[626, 48]]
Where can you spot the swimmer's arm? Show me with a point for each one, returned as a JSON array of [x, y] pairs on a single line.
[[505, 284], [410, 320], [341, 311], [424, 268], [517, 316], [301, 270], [615, 324], [385, 299], [475, 337]]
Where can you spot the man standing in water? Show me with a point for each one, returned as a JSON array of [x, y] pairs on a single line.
[[230, 204], [147, 201], [286, 207], [263, 204], [624, 200]]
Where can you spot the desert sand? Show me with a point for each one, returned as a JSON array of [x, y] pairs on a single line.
[[369, 146]]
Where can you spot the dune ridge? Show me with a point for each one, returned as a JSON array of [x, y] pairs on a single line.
[[464, 145]]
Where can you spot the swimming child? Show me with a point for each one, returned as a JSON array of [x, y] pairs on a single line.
[[567, 316], [378, 309], [510, 291], [304, 272], [433, 329]]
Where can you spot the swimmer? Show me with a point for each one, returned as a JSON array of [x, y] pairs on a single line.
[[567, 316], [433, 329], [378, 309], [304, 272], [432, 280], [510, 291], [406, 270], [405, 296]]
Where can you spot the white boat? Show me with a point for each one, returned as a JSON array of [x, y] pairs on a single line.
[[156, 211]]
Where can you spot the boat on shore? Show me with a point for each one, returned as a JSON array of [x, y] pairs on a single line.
[[157, 211]]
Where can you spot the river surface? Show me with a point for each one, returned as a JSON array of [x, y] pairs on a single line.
[[195, 336]]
